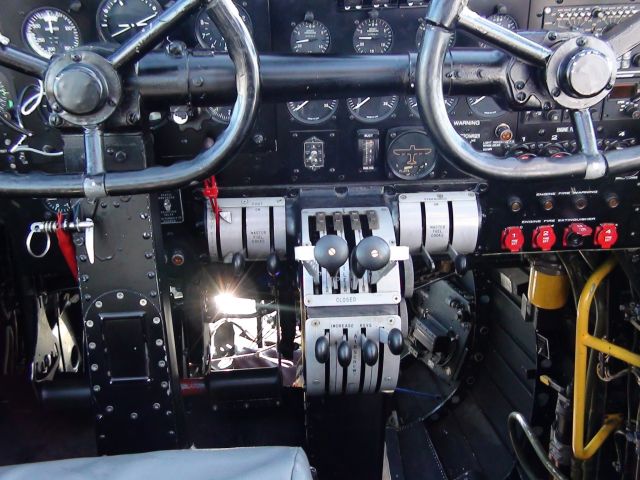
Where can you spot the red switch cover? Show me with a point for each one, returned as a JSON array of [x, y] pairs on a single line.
[[544, 238], [606, 235], [512, 239], [575, 235]]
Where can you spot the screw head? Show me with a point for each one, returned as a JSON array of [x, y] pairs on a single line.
[[89, 323], [133, 416], [98, 304], [156, 320], [119, 295], [143, 302]]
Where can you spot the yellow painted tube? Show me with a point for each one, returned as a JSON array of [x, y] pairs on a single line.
[[583, 341]]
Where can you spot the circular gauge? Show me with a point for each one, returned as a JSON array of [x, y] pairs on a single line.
[[313, 112], [221, 114], [208, 34], [504, 20], [412, 103], [374, 35], [422, 28], [485, 107], [310, 37], [57, 205], [372, 109], [411, 155], [119, 20], [49, 31]]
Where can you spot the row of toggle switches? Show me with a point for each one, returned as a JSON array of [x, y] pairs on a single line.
[[576, 235]]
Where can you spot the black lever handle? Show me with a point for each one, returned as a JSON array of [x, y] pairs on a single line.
[[372, 253], [331, 252], [344, 354], [370, 352], [395, 341], [322, 349]]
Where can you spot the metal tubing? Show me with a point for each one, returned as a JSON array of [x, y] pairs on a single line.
[[588, 144], [146, 39], [522, 48], [209, 80], [584, 341], [23, 62], [94, 150]]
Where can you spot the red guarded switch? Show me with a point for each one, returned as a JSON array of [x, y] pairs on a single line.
[[606, 235], [576, 234], [544, 238], [512, 239]]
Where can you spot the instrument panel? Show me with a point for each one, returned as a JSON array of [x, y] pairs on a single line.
[[358, 139]]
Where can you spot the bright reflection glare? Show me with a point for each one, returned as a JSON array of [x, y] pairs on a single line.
[[227, 303]]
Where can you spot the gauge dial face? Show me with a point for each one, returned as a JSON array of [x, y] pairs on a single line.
[[310, 37], [485, 107], [411, 156], [504, 20], [313, 112], [57, 205], [209, 36], [49, 31], [221, 114], [372, 109], [422, 28], [119, 20], [412, 103], [373, 36]]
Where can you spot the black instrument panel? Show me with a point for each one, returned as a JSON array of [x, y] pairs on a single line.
[[318, 140]]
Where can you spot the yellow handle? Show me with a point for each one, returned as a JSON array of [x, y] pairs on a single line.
[[583, 341]]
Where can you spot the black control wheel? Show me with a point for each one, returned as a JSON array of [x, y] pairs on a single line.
[[85, 89]]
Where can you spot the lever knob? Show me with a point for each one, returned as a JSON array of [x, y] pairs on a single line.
[[322, 349], [372, 253], [331, 252], [395, 341], [370, 352], [238, 264], [344, 354], [273, 265]]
